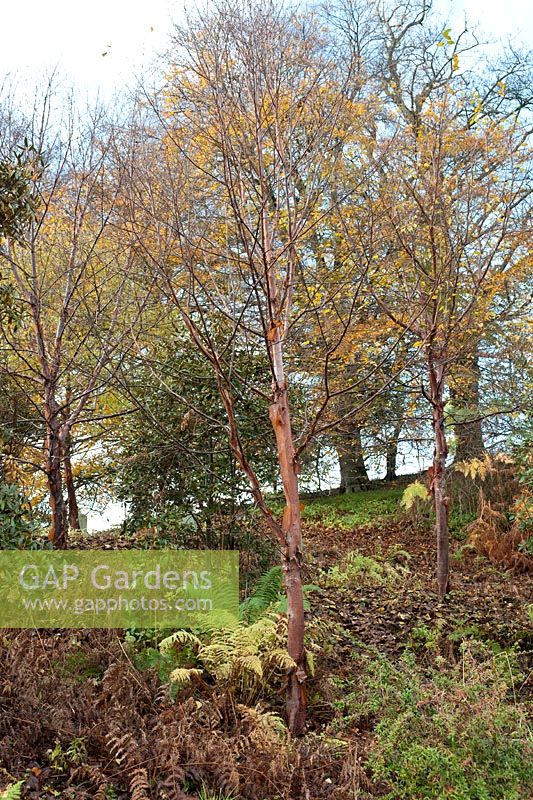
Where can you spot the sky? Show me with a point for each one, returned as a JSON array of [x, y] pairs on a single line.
[[101, 45]]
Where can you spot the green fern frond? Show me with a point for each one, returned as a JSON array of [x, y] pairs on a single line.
[[268, 591], [13, 792]]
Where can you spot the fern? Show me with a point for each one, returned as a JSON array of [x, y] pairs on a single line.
[[182, 676], [412, 493], [205, 794], [361, 570], [476, 467], [267, 592], [267, 721], [179, 637], [139, 785], [243, 660], [13, 792]]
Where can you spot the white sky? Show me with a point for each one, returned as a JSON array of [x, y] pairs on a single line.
[[72, 35]]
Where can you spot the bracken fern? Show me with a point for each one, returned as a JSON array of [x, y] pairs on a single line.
[[13, 792]]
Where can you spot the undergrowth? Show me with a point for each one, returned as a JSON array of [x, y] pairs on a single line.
[[448, 732], [199, 714]]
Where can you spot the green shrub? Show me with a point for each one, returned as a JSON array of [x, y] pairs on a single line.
[[16, 526], [358, 569], [450, 734]]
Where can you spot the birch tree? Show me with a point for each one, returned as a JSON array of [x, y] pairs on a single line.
[[70, 272], [230, 187]]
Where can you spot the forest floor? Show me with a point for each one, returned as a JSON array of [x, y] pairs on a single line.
[[410, 698]]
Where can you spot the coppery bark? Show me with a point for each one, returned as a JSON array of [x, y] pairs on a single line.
[[289, 534], [292, 561]]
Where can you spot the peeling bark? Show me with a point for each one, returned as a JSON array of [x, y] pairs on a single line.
[[292, 562]]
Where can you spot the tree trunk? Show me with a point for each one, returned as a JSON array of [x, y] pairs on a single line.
[[73, 509], [59, 525], [391, 454], [438, 477], [351, 462], [292, 561], [53, 463], [465, 393]]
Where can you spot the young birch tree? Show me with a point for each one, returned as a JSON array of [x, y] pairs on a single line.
[[70, 274], [230, 184], [451, 202]]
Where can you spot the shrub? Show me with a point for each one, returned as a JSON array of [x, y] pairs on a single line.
[[15, 523], [358, 569], [450, 734]]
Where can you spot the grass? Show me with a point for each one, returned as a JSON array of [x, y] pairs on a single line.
[[349, 510]]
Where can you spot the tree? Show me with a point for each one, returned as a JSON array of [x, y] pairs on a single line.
[[451, 208], [231, 186], [175, 461], [71, 273], [17, 206]]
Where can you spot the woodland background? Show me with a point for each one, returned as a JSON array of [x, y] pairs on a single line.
[[303, 251]]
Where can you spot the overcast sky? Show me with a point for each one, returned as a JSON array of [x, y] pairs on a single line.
[[39, 35]]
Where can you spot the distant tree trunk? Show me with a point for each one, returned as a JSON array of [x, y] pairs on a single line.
[[351, 462], [438, 473], [464, 391], [53, 467], [391, 454], [73, 509]]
